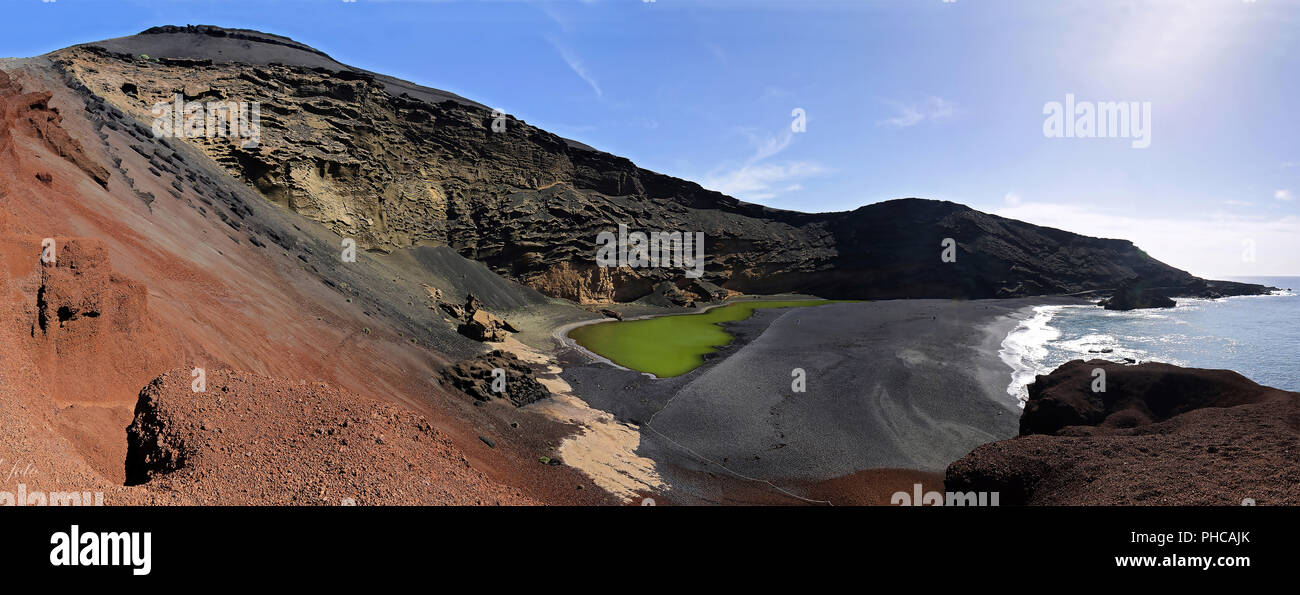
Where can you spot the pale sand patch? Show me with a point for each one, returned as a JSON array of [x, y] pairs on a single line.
[[605, 450]]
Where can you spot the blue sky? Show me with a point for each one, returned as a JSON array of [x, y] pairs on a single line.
[[902, 98]]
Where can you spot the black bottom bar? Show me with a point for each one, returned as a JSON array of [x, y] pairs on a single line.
[[568, 545]]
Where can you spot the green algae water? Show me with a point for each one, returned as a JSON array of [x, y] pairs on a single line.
[[671, 345]]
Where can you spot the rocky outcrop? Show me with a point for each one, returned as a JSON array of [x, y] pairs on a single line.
[[1158, 434], [476, 323], [1135, 294], [496, 375]]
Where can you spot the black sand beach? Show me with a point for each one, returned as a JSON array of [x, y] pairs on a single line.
[[902, 384]]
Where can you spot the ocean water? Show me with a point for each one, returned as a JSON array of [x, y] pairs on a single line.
[[1256, 336]]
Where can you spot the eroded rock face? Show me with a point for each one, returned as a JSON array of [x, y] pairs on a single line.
[[1158, 435], [590, 284], [30, 113], [393, 165], [79, 287], [475, 377]]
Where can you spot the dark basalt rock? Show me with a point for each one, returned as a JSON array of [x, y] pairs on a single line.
[[1159, 434], [1135, 395], [474, 377], [1135, 294]]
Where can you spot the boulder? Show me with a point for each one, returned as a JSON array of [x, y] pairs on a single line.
[[475, 322], [475, 377]]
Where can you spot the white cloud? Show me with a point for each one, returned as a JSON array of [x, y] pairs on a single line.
[[933, 109], [755, 180], [909, 116], [1209, 247], [768, 146], [1012, 199], [575, 64], [762, 180], [1284, 195]]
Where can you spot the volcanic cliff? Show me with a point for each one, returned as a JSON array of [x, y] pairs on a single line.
[[395, 165]]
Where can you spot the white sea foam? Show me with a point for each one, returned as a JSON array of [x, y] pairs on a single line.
[[1242, 333], [1036, 347], [1025, 349], [1100, 346]]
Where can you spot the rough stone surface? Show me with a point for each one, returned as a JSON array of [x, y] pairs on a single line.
[[475, 378], [1158, 435], [1135, 294]]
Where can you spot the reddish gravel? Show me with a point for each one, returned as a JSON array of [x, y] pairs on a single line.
[[873, 487], [249, 439]]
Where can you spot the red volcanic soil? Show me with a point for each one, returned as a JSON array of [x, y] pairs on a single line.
[[873, 487], [248, 439], [141, 287], [30, 114], [1158, 435]]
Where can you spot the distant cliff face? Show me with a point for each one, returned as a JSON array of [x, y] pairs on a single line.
[[396, 165]]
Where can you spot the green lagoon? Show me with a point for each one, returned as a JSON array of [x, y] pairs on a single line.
[[671, 345]]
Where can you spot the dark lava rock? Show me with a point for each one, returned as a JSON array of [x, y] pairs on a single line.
[[477, 323], [1158, 435], [670, 292], [474, 377], [1134, 395], [1135, 294]]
